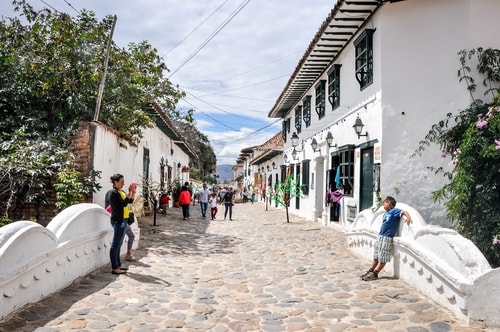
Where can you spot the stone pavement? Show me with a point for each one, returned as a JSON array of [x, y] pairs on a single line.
[[255, 273]]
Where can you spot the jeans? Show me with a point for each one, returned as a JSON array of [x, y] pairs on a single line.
[[213, 212], [185, 211], [204, 206], [228, 207], [116, 243], [131, 237]]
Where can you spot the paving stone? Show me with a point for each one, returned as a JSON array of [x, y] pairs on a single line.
[[256, 273]]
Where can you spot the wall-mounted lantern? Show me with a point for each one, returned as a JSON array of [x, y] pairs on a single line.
[[329, 140], [358, 127], [314, 144]]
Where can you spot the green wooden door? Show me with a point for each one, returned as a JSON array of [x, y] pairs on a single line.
[[366, 179]]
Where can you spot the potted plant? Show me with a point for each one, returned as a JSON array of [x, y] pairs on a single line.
[[175, 189]]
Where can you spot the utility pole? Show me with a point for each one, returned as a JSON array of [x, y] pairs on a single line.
[[103, 79]]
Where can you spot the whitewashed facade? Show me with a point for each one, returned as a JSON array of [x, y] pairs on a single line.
[[393, 65], [111, 155], [77, 240], [414, 84]]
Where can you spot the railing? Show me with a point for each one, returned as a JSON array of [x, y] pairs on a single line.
[[38, 261], [438, 262]]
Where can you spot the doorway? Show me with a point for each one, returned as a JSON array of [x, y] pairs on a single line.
[[366, 179]]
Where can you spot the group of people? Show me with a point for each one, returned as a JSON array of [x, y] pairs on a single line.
[[207, 199], [117, 203]]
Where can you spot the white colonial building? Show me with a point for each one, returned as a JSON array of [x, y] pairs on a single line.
[[391, 66]]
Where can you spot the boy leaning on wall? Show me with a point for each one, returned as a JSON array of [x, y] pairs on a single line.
[[383, 247]]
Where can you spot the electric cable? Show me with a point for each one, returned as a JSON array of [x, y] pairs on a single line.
[[219, 29], [196, 28]]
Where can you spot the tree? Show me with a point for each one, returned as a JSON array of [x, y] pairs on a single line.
[[284, 192], [50, 69], [205, 165], [472, 140]]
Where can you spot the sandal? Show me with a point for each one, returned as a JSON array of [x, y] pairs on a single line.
[[118, 271], [130, 258]]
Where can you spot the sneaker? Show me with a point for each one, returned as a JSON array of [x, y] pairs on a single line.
[[371, 276], [130, 258], [365, 274]]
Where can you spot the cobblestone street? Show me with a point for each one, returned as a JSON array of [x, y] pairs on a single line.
[[255, 273]]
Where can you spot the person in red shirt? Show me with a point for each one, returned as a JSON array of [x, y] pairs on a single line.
[[164, 200], [185, 201]]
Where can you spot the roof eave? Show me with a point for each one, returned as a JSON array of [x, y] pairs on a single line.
[[333, 36]]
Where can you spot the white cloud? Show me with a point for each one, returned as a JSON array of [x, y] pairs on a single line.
[[241, 71]]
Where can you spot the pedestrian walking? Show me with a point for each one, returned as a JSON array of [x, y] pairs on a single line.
[[382, 250], [228, 200], [203, 200], [185, 201], [213, 205], [164, 202]]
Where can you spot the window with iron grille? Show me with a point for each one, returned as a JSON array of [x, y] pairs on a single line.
[[305, 177], [334, 86], [283, 130], [364, 58], [298, 118], [306, 110], [320, 99]]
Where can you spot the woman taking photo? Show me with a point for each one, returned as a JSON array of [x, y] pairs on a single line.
[[119, 201]]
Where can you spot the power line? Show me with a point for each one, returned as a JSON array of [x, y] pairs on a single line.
[[50, 6], [196, 28], [243, 136], [262, 66], [219, 29], [257, 83], [219, 122], [218, 108], [67, 2]]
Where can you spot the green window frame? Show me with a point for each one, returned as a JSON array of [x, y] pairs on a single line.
[[298, 119], [320, 98], [285, 130], [344, 158], [364, 58], [334, 86], [306, 110], [305, 177]]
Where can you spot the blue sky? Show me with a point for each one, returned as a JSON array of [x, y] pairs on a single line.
[[233, 58]]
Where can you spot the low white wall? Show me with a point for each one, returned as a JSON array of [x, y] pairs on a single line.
[[438, 262], [38, 261]]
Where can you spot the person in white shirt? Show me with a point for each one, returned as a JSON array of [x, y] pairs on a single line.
[[203, 200], [213, 205]]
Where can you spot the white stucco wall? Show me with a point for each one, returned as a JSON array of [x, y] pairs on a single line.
[[74, 243], [415, 85], [114, 155], [417, 44], [438, 262]]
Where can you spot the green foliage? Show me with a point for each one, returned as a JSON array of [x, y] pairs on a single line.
[[284, 192], [4, 221], [29, 161], [204, 166], [71, 186], [175, 189], [472, 140], [51, 65]]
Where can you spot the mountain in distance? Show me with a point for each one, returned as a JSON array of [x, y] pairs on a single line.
[[225, 173]]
